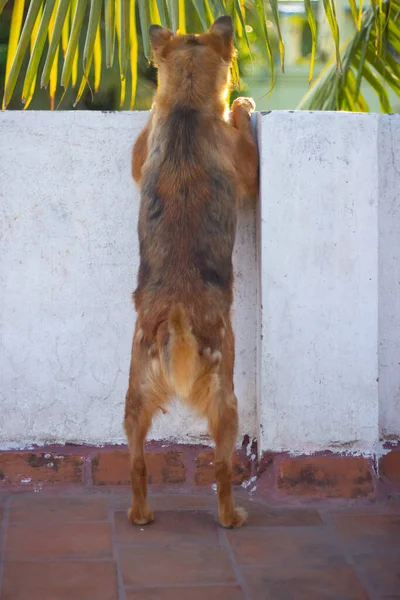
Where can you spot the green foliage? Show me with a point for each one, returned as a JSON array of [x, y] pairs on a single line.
[[58, 44], [372, 56]]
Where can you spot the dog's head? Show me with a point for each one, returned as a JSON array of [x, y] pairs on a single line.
[[193, 67]]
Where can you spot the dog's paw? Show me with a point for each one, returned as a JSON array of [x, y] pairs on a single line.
[[242, 104], [235, 520], [140, 517]]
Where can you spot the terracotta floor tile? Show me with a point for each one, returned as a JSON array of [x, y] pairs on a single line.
[[278, 517], [1, 525], [170, 502], [60, 581], [356, 509], [369, 533], [304, 583], [73, 540], [34, 509], [382, 571], [275, 546], [58, 547], [186, 593], [169, 527], [172, 565], [183, 501], [394, 505]]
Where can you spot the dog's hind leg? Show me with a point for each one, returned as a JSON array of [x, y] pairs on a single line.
[[223, 424], [137, 423], [146, 395], [214, 397]]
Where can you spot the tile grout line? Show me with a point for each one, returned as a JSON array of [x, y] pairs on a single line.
[[121, 587], [223, 538], [44, 522], [178, 586], [87, 479], [191, 541], [3, 535], [327, 520], [63, 559], [87, 559]]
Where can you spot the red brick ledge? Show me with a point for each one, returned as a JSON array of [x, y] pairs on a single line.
[[167, 465], [389, 466], [327, 476], [279, 475]]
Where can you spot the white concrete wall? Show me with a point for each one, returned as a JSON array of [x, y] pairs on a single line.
[[330, 264], [319, 309], [388, 152], [68, 263]]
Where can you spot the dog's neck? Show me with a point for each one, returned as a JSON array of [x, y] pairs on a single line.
[[216, 107]]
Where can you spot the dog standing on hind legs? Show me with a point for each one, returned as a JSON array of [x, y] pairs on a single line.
[[194, 162]]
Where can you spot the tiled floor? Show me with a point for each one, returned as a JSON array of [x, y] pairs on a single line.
[[81, 547]]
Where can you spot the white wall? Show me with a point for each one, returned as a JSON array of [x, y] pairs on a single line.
[[329, 240], [68, 263], [388, 153], [327, 299], [319, 281]]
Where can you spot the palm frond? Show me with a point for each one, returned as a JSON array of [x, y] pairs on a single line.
[[34, 37], [86, 32], [366, 59], [2, 5], [109, 19], [16, 23], [134, 55], [313, 28], [88, 52], [54, 68]]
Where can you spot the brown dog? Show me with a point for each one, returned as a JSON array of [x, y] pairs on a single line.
[[194, 163]]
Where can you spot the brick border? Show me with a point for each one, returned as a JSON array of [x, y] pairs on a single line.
[[167, 465], [389, 466], [279, 476], [326, 476]]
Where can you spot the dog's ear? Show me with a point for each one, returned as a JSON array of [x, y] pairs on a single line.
[[223, 26], [222, 30], [159, 36]]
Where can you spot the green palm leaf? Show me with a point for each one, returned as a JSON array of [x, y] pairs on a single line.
[[109, 10], [370, 57], [73, 42], [36, 55], [2, 5], [365, 61], [88, 52], [21, 49], [313, 28], [60, 11]]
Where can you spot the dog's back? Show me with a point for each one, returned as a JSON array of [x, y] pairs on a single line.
[[187, 231], [186, 227]]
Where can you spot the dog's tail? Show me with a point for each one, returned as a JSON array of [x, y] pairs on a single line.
[[183, 352]]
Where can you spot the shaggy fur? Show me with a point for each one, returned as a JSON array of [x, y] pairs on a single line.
[[193, 162]]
